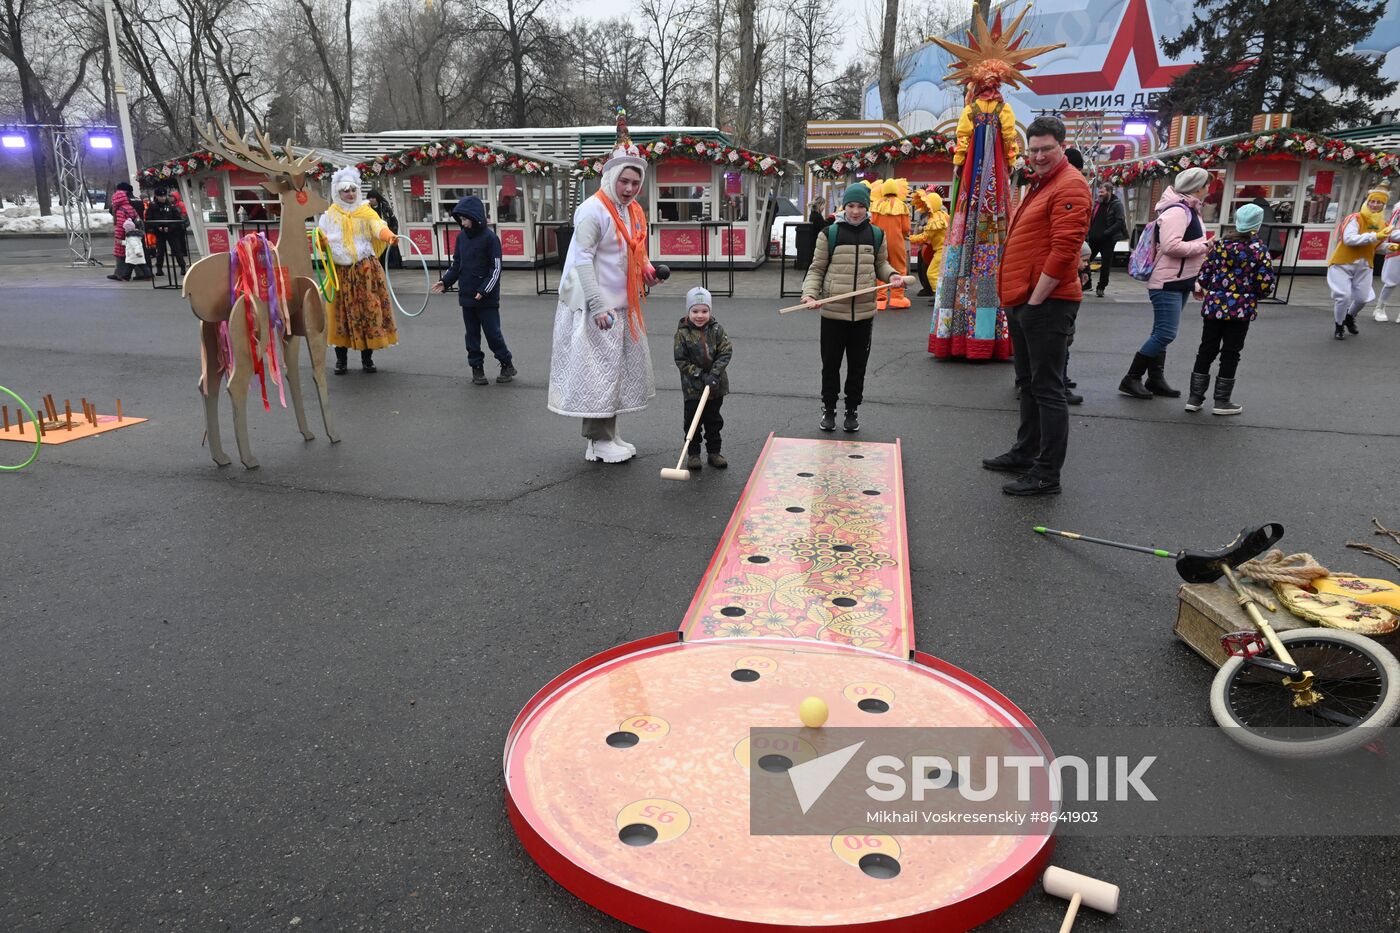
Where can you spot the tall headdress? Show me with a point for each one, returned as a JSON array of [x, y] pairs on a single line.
[[992, 54], [625, 152]]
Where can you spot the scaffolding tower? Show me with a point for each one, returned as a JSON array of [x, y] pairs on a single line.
[[72, 195]]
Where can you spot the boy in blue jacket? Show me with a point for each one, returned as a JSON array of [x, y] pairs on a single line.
[[476, 270]]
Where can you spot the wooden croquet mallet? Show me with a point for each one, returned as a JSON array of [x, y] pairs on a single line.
[[678, 472], [1079, 889], [855, 294]]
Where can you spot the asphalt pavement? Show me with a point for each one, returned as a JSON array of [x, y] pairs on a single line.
[[278, 699]]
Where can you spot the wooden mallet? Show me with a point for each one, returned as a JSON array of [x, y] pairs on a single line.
[[1079, 889], [678, 472], [855, 294]]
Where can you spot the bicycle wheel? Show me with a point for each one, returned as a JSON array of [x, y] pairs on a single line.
[[1356, 677]]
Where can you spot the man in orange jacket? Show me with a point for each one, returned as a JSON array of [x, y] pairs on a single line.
[[1039, 287]]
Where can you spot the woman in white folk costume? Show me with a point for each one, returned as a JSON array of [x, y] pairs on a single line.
[[601, 365], [1349, 269], [1390, 268], [360, 313]]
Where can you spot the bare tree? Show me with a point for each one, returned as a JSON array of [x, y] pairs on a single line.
[[750, 62], [527, 40], [889, 78], [671, 36], [51, 62], [337, 67]]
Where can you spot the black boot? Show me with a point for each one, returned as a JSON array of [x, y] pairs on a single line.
[[1338, 333], [479, 376], [1350, 323], [1132, 382], [828, 422], [367, 361], [341, 356], [1223, 405], [1157, 382], [1200, 384]]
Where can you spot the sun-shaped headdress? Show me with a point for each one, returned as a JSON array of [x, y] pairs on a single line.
[[992, 54]]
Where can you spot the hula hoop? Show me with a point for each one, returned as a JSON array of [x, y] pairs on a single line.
[[427, 280], [34, 422]]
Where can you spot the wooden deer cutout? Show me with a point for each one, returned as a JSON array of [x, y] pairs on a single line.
[[206, 286]]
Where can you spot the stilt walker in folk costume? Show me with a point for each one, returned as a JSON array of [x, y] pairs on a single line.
[[1390, 269], [1349, 269], [601, 366], [968, 320], [889, 211], [360, 314], [929, 240]]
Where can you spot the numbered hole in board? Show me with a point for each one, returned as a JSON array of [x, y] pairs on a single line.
[[936, 769], [646, 728], [773, 752], [873, 853], [794, 509], [750, 668], [870, 492], [806, 475], [623, 739], [845, 602], [757, 559], [654, 819], [856, 456], [870, 696]]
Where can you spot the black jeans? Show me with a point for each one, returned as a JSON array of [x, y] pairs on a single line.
[[1040, 341], [849, 340], [1104, 250], [711, 423], [1224, 336]]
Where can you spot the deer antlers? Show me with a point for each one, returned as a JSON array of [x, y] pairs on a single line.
[[234, 148]]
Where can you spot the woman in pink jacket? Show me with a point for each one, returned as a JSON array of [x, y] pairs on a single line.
[[1181, 248]]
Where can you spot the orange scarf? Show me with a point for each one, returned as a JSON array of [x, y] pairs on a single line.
[[634, 240]]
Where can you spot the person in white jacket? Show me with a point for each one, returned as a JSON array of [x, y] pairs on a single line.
[[1390, 269], [1349, 269], [601, 365]]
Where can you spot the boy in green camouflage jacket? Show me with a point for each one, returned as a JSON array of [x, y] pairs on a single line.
[[702, 354]]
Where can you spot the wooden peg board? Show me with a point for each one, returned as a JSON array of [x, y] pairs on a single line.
[[57, 431]]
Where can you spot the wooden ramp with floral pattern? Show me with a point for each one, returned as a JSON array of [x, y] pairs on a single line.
[[807, 595], [816, 549]]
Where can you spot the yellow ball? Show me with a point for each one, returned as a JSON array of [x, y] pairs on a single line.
[[813, 712]]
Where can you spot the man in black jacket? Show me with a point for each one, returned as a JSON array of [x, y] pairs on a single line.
[[1107, 226], [476, 268]]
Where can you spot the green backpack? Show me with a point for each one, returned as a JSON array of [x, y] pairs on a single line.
[[831, 239]]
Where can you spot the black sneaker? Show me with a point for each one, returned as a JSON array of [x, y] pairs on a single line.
[[341, 368], [852, 424], [1073, 399], [1032, 485], [828, 422], [479, 376], [718, 462], [692, 462], [1006, 463], [1339, 333], [507, 373], [1098, 292], [1350, 323]]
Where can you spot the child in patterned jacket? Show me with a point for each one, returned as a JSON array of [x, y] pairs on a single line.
[[1236, 273]]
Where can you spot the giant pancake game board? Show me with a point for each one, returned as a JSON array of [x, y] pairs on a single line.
[[627, 777]]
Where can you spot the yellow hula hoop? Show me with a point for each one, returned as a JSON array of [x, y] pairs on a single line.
[[34, 455]]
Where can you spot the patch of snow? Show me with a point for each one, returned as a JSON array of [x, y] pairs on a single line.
[[26, 219]]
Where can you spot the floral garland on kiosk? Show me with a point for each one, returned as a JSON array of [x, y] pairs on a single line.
[[896, 150], [203, 160], [697, 150], [463, 150], [1274, 142]]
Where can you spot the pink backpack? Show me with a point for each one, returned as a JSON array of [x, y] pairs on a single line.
[[1143, 259]]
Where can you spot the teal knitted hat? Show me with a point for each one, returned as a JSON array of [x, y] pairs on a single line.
[[1248, 217], [856, 194]]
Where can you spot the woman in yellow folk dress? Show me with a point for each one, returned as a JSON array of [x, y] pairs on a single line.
[[360, 312]]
